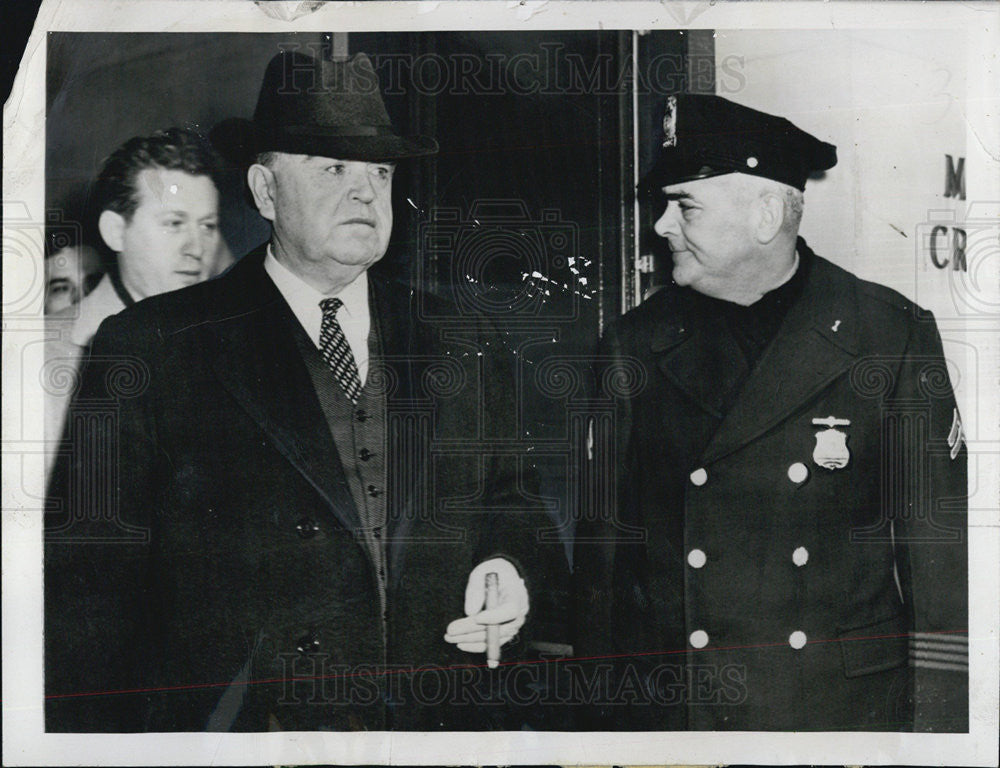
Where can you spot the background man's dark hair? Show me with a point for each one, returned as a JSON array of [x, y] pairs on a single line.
[[175, 149]]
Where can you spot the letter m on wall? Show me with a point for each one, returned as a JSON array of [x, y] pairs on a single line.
[[954, 178]]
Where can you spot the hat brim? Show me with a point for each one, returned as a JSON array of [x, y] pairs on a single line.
[[669, 171], [240, 141]]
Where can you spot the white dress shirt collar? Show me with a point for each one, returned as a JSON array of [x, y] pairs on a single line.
[[354, 316]]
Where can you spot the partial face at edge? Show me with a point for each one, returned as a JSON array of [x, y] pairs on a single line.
[[71, 274]]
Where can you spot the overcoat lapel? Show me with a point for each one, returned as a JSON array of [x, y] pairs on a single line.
[[391, 313], [401, 338], [817, 340], [688, 354], [258, 361]]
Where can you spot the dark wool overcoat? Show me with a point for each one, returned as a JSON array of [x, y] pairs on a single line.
[[202, 568], [739, 584]]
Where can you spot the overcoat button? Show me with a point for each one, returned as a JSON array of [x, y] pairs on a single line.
[[373, 491], [696, 558], [365, 454], [360, 414], [800, 556], [307, 644], [797, 640], [699, 638], [307, 528], [798, 472], [699, 476]]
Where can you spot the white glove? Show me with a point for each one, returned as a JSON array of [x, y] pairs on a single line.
[[469, 634]]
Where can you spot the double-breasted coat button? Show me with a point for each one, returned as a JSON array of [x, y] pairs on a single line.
[[797, 640], [365, 454], [798, 472], [696, 558], [699, 476], [699, 638], [307, 644], [307, 528], [360, 414], [373, 491], [800, 556]]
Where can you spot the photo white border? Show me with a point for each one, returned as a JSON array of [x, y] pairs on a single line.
[[24, 165]]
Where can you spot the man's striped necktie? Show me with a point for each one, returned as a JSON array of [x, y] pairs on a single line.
[[337, 352]]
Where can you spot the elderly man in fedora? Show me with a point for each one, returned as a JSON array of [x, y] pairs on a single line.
[[795, 465], [265, 538]]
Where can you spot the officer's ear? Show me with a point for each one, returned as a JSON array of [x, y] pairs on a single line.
[[260, 179], [770, 216], [112, 225]]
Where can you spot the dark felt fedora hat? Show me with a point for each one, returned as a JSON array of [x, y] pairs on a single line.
[[310, 106]]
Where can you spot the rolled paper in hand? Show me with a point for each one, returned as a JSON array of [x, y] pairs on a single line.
[[492, 630]]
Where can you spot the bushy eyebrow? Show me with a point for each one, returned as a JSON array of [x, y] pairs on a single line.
[[677, 196], [390, 163]]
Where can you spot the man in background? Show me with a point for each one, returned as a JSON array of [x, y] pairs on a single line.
[[159, 216], [795, 463], [70, 274]]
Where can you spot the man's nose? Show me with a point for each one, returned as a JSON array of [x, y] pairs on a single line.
[[667, 223], [195, 244], [362, 188]]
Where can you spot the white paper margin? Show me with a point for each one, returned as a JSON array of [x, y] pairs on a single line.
[[25, 743]]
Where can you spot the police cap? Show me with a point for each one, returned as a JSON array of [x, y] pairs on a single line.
[[706, 135]]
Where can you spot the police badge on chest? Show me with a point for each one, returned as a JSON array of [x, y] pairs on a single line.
[[831, 444]]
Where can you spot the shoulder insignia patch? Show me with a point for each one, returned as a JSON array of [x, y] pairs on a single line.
[[956, 436]]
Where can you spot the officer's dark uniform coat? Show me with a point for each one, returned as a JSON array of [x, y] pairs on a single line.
[[229, 590], [769, 592]]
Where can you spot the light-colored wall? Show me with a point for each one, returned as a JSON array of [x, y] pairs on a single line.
[[894, 103]]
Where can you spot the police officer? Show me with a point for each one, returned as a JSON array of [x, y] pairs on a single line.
[[787, 550]]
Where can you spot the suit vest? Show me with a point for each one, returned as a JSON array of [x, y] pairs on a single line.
[[359, 435]]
